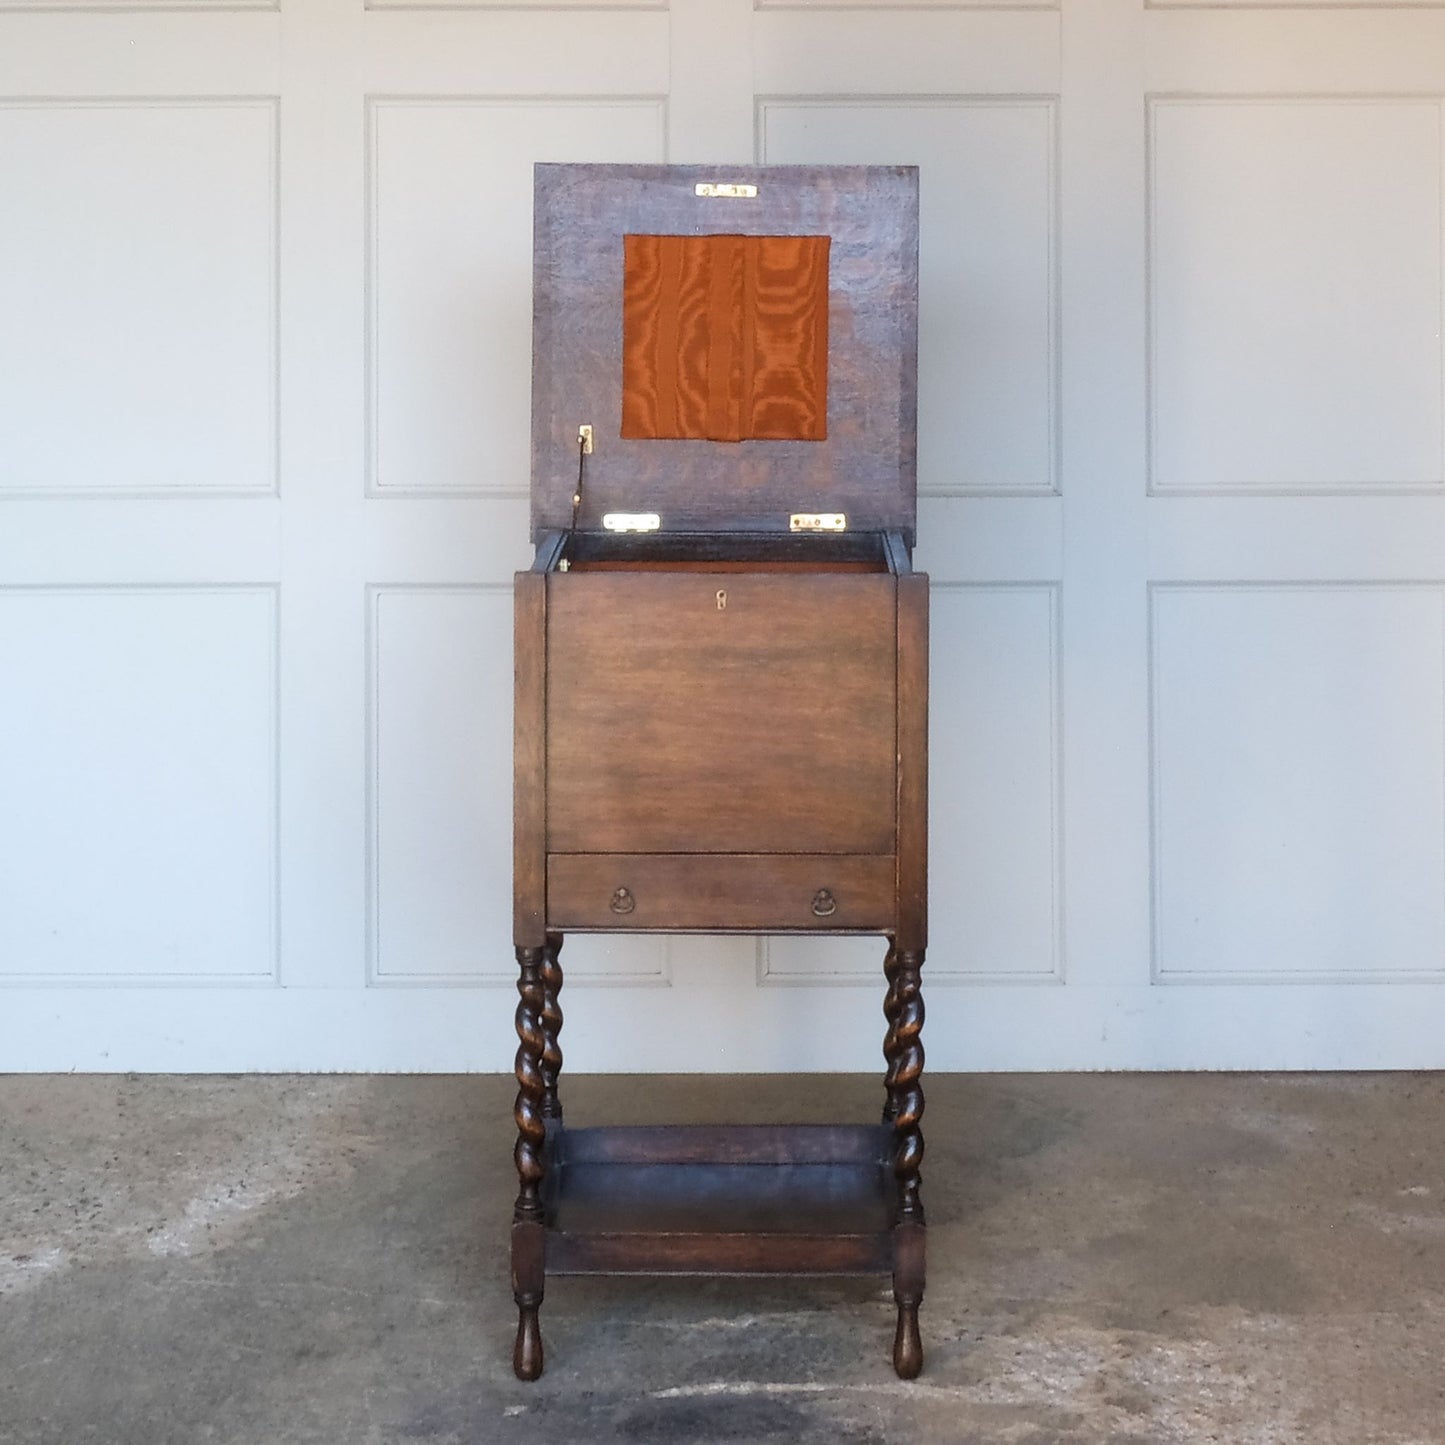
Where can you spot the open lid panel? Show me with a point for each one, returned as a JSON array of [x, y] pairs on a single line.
[[807, 289]]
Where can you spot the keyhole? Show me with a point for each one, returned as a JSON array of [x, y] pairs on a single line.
[[722, 599]]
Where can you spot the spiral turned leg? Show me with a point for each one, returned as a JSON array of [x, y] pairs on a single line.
[[890, 1037], [905, 1080], [551, 1027], [528, 1267], [905, 1092]]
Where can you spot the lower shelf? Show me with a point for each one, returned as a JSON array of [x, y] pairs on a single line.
[[733, 1199]]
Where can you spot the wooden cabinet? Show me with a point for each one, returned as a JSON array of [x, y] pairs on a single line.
[[721, 720]]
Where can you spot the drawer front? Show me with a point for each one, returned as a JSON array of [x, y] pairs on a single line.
[[723, 713], [718, 892]]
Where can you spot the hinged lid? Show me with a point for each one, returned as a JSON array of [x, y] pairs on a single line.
[[822, 393]]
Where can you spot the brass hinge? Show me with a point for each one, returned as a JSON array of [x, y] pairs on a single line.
[[725, 189], [818, 522], [631, 521]]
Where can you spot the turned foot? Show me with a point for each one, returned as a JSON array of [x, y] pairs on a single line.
[[907, 1342], [527, 1352], [908, 1280]]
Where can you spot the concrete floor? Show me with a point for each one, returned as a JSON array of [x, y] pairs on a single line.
[[1131, 1259]]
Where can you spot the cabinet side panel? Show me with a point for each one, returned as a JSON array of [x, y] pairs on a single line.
[[529, 761], [913, 761]]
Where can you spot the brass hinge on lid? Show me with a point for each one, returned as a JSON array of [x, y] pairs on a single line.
[[818, 522], [731, 190], [631, 521]]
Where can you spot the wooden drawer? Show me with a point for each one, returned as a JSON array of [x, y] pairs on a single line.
[[718, 892]]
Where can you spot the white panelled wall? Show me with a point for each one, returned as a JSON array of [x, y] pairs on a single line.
[[264, 390]]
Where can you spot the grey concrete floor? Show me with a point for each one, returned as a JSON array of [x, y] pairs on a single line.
[[1124, 1259]]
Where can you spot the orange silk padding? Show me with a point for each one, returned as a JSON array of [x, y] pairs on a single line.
[[725, 338]]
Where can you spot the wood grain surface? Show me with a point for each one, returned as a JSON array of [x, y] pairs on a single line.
[[721, 892], [865, 467], [913, 761], [529, 760], [689, 713]]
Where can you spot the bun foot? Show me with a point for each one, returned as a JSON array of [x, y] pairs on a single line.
[[527, 1352], [907, 1343]]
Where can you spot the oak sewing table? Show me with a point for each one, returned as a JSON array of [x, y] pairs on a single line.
[[721, 688]]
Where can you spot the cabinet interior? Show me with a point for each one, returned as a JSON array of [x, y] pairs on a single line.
[[726, 552]]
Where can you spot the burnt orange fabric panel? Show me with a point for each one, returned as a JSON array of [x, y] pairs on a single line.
[[725, 338]]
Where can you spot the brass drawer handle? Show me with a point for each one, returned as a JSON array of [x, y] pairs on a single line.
[[622, 901], [824, 903]]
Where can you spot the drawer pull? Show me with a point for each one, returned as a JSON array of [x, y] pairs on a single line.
[[824, 903], [622, 901]]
